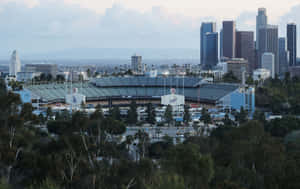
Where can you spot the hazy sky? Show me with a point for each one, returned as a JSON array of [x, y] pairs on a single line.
[[49, 25]]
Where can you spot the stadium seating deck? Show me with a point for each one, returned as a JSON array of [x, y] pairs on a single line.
[[140, 87]]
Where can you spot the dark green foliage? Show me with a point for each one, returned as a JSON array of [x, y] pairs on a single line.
[[98, 114], [26, 112], [186, 115], [281, 127], [150, 113], [187, 161], [169, 115], [205, 116], [280, 97], [132, 113], [88, 151], [241, 116], [230, 78], [114, 113]]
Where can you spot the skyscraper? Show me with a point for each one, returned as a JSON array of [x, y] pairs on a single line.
[[268, 42], [228, 39], [210, 50], [261, 22], [245, 48], [283, 55], [292, 43], [206, 27], [221, 43], [15, 64]]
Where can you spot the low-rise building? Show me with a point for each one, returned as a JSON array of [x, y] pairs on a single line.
[[237, 66], [47, 69], [261, 74], [294, 71], [268, 62]]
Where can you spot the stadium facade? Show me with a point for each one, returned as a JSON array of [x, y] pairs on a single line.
[[122, 90]]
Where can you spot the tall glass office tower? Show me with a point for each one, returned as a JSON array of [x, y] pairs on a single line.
[[268, 42], [261, 22], [292, 43], [206, 27], [210, 50], [283, 55], [245, 48], [228, 39]]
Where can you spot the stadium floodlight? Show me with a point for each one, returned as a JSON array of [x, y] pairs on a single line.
[[166, 73]]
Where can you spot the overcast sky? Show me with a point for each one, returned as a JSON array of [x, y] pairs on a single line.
[[34, 26]]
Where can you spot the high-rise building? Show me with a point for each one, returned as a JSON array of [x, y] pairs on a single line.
[[221, 43], [228, 39], [136, 63], [206, 27], [268, 42], [245, 48], [15, 64], [210, 50], [292, 43], [268, 62], [261, 22], [283, 55]]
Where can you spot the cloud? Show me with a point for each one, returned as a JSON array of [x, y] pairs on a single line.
[[51, 25], [27, 3]]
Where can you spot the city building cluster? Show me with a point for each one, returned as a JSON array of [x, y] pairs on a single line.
[[268, 51]]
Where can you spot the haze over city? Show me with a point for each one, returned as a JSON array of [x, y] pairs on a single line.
[[41, 28]]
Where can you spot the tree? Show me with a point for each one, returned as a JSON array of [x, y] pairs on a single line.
[[186, 115], [49, 77], [242, 116], [132, 113], [186, 161], [230, 78], [60, 78], [26, 112], [227, 121], [259, 116], [250, 157], [250, 80], [46, 184], [128, 141], [89, 72], [3, 90], [169, 115], [143, 142], [115, 113], [49, 113], [205, 116], [98, 114], [150, 113], [167, 181]]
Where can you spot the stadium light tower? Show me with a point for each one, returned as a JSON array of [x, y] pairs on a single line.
[[165, 74]]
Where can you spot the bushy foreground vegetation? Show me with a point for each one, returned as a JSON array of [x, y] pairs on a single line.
[[86, 151]]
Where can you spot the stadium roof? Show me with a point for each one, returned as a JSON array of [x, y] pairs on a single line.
[[146, 81]]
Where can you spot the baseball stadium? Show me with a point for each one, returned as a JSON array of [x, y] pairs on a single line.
[[122, 90]]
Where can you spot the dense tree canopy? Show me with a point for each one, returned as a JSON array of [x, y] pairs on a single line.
[[88, 151]]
